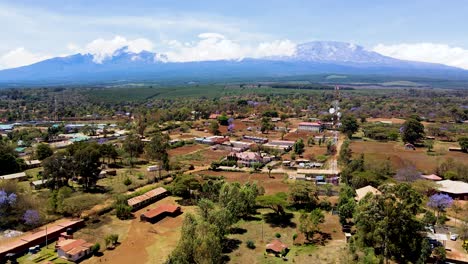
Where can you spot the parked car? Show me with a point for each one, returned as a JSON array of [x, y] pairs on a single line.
[[453, 237]]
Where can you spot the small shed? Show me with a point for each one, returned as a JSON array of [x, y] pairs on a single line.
[[160, 212], [73, 250], [277, 247], [36, 185], [33, 163]]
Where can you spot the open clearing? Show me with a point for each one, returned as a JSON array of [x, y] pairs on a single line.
[[272, 185], [400, 157], [261, 231], [141, 242]]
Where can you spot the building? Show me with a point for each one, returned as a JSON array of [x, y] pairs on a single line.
[[309, 127], [248, 158], [36, 185], [362, 192], [431, 177], [284, 145], [33, 163], [160, 212], [147, 198], [21, 244], [277, 247], [20, 176], [258, 140], [456, 189], [73, 249], [212, 140]]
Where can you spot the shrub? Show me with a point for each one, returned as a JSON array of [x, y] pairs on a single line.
[[140, 176], [95, 248], [294, 236], [127, 181], [111, 240], [250, 244], [277, 235]]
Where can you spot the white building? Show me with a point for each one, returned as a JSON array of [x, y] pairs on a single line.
[[309, 127]]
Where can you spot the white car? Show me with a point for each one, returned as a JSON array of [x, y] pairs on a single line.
[[453, 237]]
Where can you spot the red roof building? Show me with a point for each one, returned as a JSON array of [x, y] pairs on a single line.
[[276, 247], [309, 127], [431, 177], [160, 212], [73, 250]]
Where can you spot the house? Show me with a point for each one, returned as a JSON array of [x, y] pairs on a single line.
[[455, 189], [431, 177], [361, 192], [147, 198], [21, 176], [277, 247], [160, 212], [36, 185], [33, 163], [73, 249], [258, 140], [212, 140], [248, 158], [284, 145], [309, 126]]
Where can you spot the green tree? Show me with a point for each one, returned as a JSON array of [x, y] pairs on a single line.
[[133, 146], [266, 125], [309, 222], [346, 204], [345, 154], [87, 163], [58, 169], [298, 146], [43, 151], [349, 125], [214, 128], [303, 194], [413, 131], [388, 223], [277, 202], [156, 149], [9, 163], [463, 141]]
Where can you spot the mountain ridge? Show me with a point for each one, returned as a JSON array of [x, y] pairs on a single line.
[[316, 57]]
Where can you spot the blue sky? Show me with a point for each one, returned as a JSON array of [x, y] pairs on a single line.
[[33, 29]]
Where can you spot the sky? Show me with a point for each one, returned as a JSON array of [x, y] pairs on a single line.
[[187, 30]]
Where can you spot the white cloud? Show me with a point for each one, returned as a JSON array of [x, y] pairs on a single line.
[[20, 57], [427, 52], [102, 49], [215, 46]]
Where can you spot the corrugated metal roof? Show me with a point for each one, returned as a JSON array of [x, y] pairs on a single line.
[[148, 195]]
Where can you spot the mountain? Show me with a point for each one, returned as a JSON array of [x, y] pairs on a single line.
[[317, 57]]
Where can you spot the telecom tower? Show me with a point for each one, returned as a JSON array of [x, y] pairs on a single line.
[[335, 108]]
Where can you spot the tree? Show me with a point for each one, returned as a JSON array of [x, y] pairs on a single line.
[[345, 154], [349, 125], [108, 151], [9, 163], [303, 194], [463, 141], [157, 149], [214, 128], [133, 146], [412, 131], [239, 199], [58, 169], [111, 240], [31, 218], [388, 223], [298, 146], [43, 151], [184, 185], [87, 163], [270, 168], [429, 144], [309, 222], [440, 202], [277, 202], [408, 174], [266, 125], [346, 204]]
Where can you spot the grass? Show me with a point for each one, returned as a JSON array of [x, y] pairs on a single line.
[[45, 254]]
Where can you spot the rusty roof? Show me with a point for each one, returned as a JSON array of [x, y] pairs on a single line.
[[141, 198], [167, 208], [276, 245]]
